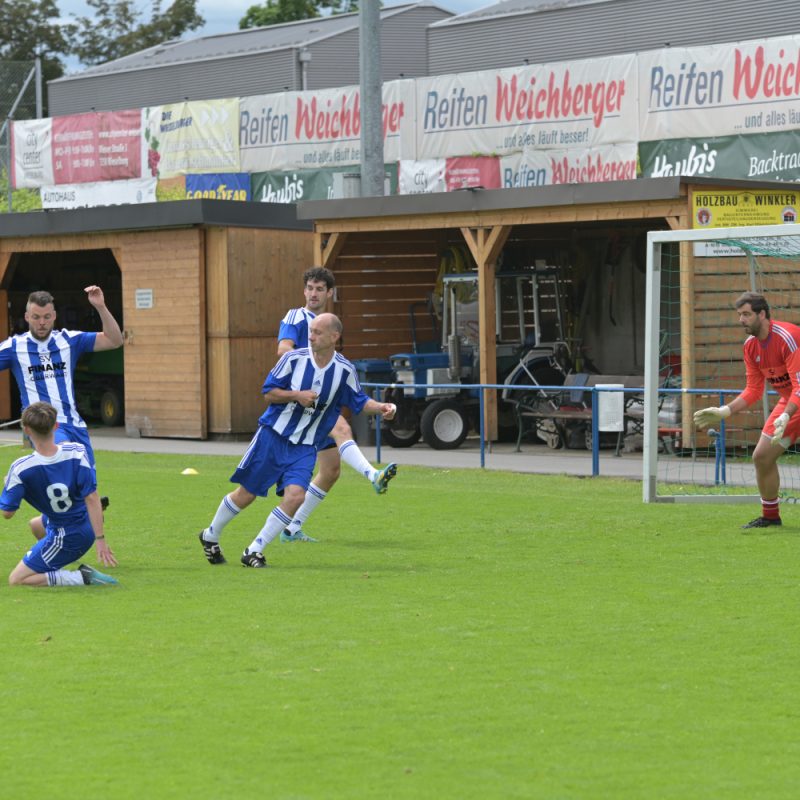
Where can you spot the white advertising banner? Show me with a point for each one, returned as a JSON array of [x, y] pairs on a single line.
[[32, 153], [320, 129], [106, 193], [422, 177], [572, 165], [543, 106], [720, 90], [192, 137]]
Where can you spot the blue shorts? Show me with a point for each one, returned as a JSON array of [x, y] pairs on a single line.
[[272, 460], [59, 548], [69, 433]]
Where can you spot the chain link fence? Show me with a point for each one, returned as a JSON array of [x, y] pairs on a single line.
[[18, 100]]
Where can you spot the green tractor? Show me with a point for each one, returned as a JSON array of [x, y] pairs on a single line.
[[100, 386]]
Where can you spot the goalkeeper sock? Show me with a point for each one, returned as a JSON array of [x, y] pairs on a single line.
[[225, 513], [770, 509], [275, 523], [314, 496], [355, 458]]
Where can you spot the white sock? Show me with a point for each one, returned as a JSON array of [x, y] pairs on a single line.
[[351, 455], [65, 577], [314, 496], [225, 513], [275, 523]]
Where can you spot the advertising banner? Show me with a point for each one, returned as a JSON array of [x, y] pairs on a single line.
[[544, 106], [31, 153], [422, 177], [724, 208], [107, 193], [761, 156], [78, 148], [230, 186], [191, 137], [720, 90], [480, 172], [309, 184], [313, 129]]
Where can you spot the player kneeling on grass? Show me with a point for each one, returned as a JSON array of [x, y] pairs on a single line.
[[772, 355], [306, 391], [58, 481]]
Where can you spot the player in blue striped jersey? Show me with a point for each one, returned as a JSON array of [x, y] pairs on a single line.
[[318, 285], [43, 363], [306, 391], [58, 481]]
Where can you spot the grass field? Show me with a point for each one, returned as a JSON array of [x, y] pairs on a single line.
[[469, 635]]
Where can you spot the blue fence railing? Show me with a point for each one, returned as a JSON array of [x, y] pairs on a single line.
[[719, 437]]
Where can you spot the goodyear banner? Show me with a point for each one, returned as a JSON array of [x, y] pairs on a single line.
[[764, 156], [191, 137], [320, 129], [728, 208], [230, 186], [310, 184], [78, 148], [543, 107], [720, 90]]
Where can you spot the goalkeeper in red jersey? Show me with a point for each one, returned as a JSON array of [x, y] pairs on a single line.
[[772, 354]]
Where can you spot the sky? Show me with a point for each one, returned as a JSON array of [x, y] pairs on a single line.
[[222, 16]]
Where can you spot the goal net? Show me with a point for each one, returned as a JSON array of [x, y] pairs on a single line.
[[694, 358]]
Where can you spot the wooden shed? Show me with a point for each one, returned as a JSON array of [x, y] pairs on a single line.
[[387, 256], [198, 286]]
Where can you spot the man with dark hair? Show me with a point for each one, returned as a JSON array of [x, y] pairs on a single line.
[[306, 391], [58, 481], [771, 354], [43, 363], [318, 286]]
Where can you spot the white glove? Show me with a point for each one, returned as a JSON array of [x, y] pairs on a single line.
[[706, 416], [780, 427]]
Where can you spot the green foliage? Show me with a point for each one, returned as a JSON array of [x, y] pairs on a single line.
[[21, 199], [29, 28], [117, 28], [275, 12], [470, 634]]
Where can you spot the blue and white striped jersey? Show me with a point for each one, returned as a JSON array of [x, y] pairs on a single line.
[[54, 485], [294, 326], [336, 385], [44, 370]]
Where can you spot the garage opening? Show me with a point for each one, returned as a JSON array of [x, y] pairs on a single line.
[[99, 378]]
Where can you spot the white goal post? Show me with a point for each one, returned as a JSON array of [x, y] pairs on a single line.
[[693, 279]]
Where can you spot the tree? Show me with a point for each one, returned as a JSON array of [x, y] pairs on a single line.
[[28, 28], [275, 12], [117, 30]]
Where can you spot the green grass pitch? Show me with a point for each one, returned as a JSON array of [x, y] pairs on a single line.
[[468, 635]]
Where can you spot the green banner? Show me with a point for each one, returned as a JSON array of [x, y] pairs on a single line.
[[763, 156], [311, 184]]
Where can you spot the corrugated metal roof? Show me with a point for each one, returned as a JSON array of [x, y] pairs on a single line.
[[237, 43], [510, 7]]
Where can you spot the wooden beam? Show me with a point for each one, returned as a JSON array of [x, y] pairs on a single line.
[[472, 244], [332, 249]]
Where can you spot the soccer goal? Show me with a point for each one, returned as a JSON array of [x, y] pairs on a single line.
[[693, 358]]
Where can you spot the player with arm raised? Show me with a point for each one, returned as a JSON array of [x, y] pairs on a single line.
[[318, 285], [58, 481], [772, 355], [306, 391], [43, 362]]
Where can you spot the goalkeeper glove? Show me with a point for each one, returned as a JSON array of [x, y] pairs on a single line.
[[780, 427], [705, 416]]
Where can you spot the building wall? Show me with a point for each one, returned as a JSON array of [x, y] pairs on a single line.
[[601, 29], [334, 62]]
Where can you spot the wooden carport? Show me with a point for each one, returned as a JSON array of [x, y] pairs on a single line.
[[389, 246], [204, 286]]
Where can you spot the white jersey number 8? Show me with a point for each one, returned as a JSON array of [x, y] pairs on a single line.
[[60, 501]]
